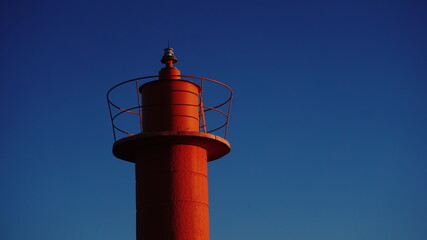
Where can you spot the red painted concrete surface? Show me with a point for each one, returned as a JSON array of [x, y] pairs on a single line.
[[172, 193], [171, 179], [170, 105]]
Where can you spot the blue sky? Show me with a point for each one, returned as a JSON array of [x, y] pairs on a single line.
[[328, 123]]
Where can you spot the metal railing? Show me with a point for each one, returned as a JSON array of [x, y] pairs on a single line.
[[213, 117]]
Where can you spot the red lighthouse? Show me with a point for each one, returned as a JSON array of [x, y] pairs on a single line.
[[171, 149]]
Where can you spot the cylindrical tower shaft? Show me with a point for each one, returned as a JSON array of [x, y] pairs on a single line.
[[172, 193], [171, 179]]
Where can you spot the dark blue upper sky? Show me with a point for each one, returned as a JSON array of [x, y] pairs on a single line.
[[328, 125]]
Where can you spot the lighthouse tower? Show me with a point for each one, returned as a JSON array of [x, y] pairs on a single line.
[[171, 151]]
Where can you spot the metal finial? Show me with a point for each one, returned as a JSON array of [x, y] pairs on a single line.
[[169, 55], [168, 52]]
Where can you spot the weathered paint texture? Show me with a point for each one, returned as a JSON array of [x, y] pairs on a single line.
[[172, 193]]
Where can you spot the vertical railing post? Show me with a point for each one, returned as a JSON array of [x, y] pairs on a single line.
[[202, 107], [139, 105], [228, 115], [112, 121]]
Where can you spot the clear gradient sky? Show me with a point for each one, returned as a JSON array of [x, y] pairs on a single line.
[[328, 126]]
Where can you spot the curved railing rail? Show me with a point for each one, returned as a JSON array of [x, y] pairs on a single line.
[[126, 115]]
